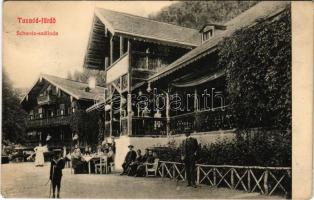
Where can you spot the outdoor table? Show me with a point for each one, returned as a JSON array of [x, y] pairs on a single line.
[[90, 159]]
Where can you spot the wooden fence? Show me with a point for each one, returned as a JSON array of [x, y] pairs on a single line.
[[265, 180]]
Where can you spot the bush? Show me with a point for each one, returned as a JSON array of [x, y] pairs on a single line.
[[258, 147]]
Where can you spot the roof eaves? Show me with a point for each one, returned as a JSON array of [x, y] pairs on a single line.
[[105, 21], [61, 87], [31, 88], [174, 42], [181, 64]]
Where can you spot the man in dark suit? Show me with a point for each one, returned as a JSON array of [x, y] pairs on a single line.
[[188, 156], [57, 164], [129, 158]]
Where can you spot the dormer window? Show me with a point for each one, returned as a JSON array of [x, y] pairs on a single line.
[[210, 30], [208, 34]]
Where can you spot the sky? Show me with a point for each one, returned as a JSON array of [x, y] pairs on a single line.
[[25, 57]]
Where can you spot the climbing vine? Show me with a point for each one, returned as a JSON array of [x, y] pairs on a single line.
[[257, 61]]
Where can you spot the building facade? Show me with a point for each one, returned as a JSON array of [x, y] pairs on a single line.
[[163, 80], [50, 104]]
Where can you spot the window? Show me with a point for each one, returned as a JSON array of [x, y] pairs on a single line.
[[62, 109], [208, 34], [40, 113]]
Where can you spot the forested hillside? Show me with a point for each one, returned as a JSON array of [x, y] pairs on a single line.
[[13, 116], [194, 14]]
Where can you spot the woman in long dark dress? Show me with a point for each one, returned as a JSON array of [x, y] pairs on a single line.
[[133, 166], [140, 171]]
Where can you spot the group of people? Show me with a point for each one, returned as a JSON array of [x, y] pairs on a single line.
[[135, 163], [79, 162]]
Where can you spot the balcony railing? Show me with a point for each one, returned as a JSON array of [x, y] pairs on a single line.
[[202, 121], [146, 61], [149, 126], [49, 122], [47, 99]]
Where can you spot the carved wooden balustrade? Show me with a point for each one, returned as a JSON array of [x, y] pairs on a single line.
[[147, 61], [202, 121], [265, 180], [47, 122], [149, 126], [46, 99]]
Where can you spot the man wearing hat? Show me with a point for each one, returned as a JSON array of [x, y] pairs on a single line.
[[129, 158], [189, 153], [57, 164]]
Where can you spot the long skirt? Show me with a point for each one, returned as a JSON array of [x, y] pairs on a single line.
[[39, 159]]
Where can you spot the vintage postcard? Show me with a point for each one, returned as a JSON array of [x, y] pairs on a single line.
[[157, 99]]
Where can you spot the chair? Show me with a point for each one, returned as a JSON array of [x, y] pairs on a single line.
[[152, 168], [101, 166], [111, 167]]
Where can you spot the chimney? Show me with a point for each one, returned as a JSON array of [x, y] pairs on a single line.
[[87, 89]]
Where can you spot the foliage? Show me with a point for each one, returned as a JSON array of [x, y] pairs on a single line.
[[13, 116], [257, 60], [258, 73], [83, 76], [194, 14], [259, 148], [85, 125]]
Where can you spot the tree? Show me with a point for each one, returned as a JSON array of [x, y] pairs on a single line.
[[194, 14], [13, 116]]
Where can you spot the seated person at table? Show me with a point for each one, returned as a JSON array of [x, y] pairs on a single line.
[[78, 162], [140, 171], [110, 155], [131, 171], [129, 158]]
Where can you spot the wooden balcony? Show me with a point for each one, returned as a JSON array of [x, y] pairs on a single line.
[[49, 122], [46, 100], [199, 121], [202, 121], [148, 62], [149, 126]]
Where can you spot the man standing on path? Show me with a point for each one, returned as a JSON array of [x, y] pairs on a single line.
[[188, 156]]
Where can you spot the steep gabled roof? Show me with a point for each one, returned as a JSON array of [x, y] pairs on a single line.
[[73, 88], [247, 18], [127, 24]]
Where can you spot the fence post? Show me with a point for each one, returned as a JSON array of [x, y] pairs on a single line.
[[162, 170], [198, 175], [266, 182], [249, 180], [214, 172], [232, 178], [173, 170]]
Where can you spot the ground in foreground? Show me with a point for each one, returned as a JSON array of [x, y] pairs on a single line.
[[25, 180]]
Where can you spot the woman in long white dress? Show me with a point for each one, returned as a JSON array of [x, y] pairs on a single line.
[[39, 159]]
